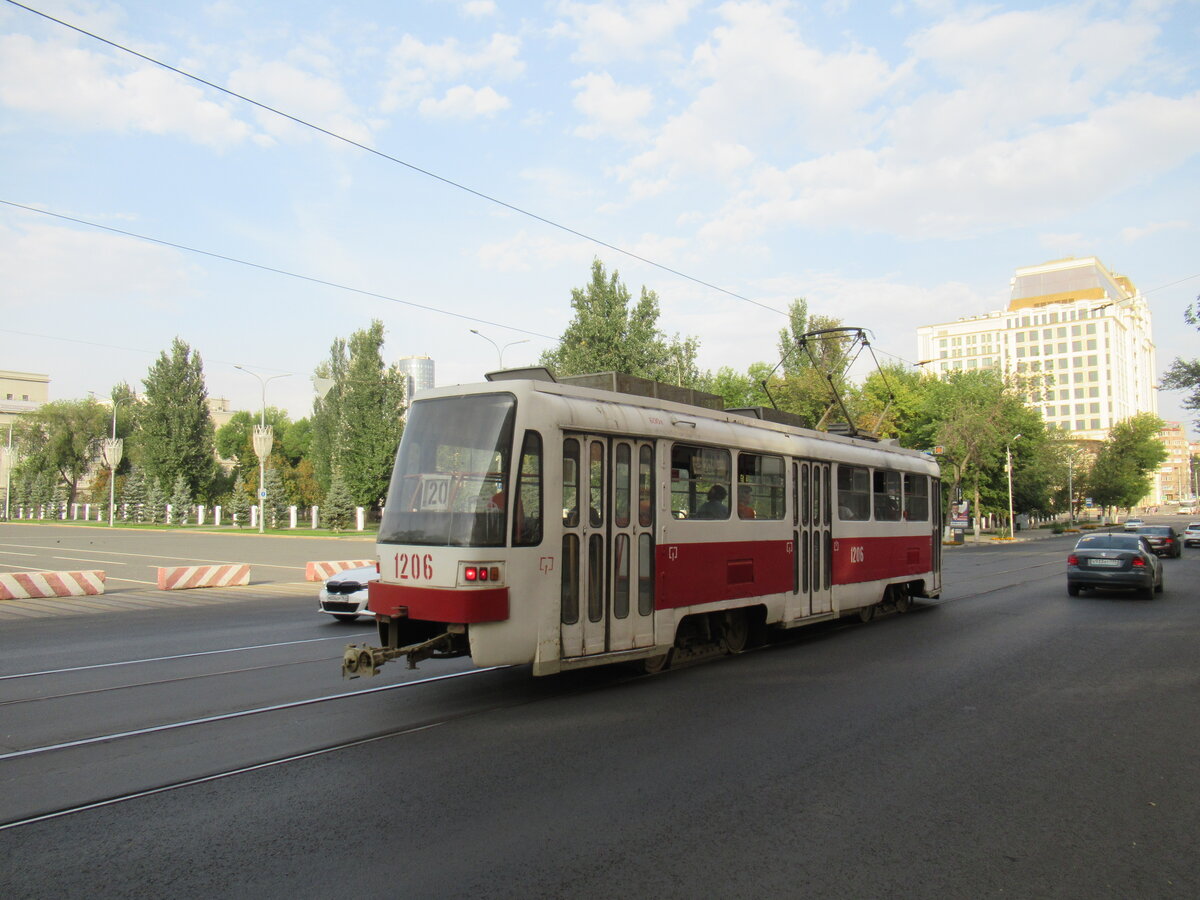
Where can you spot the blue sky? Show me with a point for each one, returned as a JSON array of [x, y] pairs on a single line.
[[892, 163]]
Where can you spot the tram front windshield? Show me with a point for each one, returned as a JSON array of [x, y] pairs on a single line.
[[449, 485]]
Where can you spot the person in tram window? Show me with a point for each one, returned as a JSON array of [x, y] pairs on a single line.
[[745, 510], [714, 507]]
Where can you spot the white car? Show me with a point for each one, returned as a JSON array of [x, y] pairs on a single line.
[[344, 595], [1191, 535], [1133, 524]]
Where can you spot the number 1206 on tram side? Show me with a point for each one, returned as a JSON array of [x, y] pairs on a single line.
[[530, 521]]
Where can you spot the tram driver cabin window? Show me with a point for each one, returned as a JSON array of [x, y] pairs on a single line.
[[700, 482]]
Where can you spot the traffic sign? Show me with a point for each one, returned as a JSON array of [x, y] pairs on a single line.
[[262, 495]]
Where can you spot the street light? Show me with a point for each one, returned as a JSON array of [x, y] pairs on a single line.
[[112, 450], [264, 439], [499, 350], [6, 463], [1008, 465]]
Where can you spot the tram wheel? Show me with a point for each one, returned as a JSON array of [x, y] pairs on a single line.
[[867, 613], [901, 598], [735, 630], [655, 664]]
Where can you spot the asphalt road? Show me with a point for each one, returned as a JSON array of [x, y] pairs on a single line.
[[1008, 740]]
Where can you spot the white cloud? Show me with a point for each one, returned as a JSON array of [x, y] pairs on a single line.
[[102, 93], [417, 69], [524, 252], [78, 273], [479, 9], [764, 92], [463, 102], [1133, 233], [609, 31], [611, 109], [1048, 173], [314, 98]]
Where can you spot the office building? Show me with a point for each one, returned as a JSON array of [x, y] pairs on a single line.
[[418, 372], [1077, 335]]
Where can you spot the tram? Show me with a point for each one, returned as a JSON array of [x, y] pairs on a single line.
[[561, 524]]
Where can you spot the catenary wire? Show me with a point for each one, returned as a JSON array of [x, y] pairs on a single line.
[[411, 166]]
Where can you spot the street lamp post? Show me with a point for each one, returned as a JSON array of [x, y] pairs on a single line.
[[112, 450], [264, 439], [1012, 532], [6, 462], [1071, 489], [499, 350]]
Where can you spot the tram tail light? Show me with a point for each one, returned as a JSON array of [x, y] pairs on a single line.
[[480, 573]]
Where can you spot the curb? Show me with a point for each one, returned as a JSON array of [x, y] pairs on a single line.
[[31, 585]]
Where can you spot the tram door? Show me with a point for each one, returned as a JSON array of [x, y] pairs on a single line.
[[607, 601], [812, 538]]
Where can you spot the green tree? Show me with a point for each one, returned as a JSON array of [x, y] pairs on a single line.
[[338, 511], [1184, 375], [239, 503], [1120, 476], [133, 497], [610, 333], [62, 438], [356, 426], [176, 428], [181, 501], [275, 506], [156, 502]]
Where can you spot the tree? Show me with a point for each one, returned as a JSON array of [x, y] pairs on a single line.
[[177, 431], [275, 507], [181, 501], [356, 426], [239, 503], [1184, 375], [133, 497], [338, 511], [607, 334], [62, 438], [1120, 476], [156, 501]]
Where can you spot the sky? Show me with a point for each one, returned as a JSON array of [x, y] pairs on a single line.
[[892, 163]]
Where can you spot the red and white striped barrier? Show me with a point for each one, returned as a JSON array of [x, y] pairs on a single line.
[[178, 578], [28, 585], [319, 571]]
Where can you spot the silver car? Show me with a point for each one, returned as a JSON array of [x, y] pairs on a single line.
[[1191, 534], [344, 595]]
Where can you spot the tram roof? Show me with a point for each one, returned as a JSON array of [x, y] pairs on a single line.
[[613, 387]]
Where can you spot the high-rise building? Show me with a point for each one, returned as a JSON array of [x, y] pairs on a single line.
[[1077, 334], [418, 372]]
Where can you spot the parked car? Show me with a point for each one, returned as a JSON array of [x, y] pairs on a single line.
[[1163, 539], [1133, 524], [1114, 560], [1191, 534], [344, 595]]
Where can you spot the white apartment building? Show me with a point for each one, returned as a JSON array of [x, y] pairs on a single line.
[[1077, 334]]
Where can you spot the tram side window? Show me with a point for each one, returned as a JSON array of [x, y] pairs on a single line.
[[700, 479], [570, 492], [916, 498], [854, 493], [760, 486], [887, 495], [527, 514]]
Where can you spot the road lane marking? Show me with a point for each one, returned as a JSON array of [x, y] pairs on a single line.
[[241, 713], [130, 662]]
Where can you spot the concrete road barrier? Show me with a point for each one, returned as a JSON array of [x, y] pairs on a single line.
[[319, 571], [29, 585], [178, 578]]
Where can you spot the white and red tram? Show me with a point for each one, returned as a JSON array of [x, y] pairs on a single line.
[[530, 521]]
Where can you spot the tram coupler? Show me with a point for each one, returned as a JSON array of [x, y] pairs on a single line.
[[363, 659]]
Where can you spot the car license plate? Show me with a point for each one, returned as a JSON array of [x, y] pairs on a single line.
[[1104, 562]]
